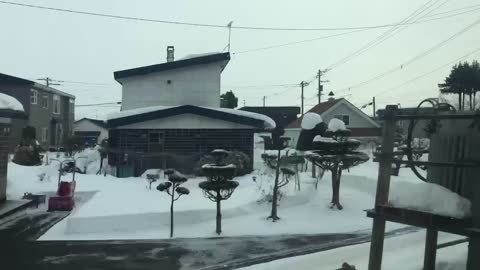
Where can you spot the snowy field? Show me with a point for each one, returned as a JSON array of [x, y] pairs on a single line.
[[124, 208]]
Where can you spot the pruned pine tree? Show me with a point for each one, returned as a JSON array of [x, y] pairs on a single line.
[[172, 187], [336, 153], [219, 185]]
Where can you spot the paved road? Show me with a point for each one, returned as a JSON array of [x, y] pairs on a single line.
[[194, 253]]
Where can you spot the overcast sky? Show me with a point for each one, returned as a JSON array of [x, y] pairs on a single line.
[[36, 43]]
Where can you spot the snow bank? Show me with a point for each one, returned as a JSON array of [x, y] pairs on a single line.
[[89, 160], [10, 103], [268, 122], [430, 198], [336, 125], [310, 120]]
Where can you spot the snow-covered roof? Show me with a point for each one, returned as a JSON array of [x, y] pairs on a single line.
[[195, 55], [310, 120], [268, 122], [10, 103]]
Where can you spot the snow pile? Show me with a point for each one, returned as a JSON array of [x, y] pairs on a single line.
[[268, 122], [310, 120], [151, 171], [88, 160], [336, 125], [430, 198], [10, 103], [319, 138]]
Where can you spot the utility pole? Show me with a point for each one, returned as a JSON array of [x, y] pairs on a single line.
[[264, 97], [48, 81], [244, 103], [320, 86], [303, 84], [374, 106]]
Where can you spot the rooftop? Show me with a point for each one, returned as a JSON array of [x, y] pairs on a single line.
[[186, 62], [4, 78]]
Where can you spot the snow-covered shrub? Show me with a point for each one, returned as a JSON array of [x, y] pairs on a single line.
[[27, 153], [242, 162]]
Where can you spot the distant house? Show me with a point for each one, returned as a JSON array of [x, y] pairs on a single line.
[[49, 110], [93, 131], [170, 116], [282, 115], [362, 126]]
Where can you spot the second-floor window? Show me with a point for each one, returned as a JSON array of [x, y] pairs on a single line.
[[344, 118], [45, 102], [72, 105], [56, 104], [33, 96]]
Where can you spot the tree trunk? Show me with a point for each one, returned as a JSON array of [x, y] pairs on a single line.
[[463, 102], [336, 175], [470, 101], [219, 215], [273, 214], [171, 213], [459, 101]]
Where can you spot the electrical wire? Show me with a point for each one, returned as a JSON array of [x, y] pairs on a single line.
[[429, 72], [384, 36], [415, 58], [220, 26]]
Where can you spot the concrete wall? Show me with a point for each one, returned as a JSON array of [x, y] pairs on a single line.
[[185, 121], [356, 119], [85, 125], [197, 85]]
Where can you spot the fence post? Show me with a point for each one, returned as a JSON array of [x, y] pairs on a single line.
[[383, 186], [430, 255]]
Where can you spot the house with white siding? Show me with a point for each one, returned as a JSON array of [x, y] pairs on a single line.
[[171, 116], [363, 127]]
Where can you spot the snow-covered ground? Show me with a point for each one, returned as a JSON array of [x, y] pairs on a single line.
[[400, 253], [124, 208]]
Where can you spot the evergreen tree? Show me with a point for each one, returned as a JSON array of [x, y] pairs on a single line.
[[464, 81], [228, 100]]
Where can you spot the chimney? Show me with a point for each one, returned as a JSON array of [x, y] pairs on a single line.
[[331, 96], [170, 54]]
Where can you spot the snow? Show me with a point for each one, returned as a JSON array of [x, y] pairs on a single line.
[[214, 166], [310, 120], [268, 122], [124, 208], [430, 198], [10, 103], [400, 253], [319, 138], [336, 125], [189, 56]]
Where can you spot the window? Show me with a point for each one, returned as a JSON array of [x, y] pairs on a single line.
[[72, 105], [33, 96], [56, 104], [44, 134], [344, 118], [45, 102]]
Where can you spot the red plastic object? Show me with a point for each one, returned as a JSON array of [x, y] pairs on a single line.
[[64, 200]]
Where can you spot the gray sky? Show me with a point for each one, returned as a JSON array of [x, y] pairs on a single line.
[[36, 43]]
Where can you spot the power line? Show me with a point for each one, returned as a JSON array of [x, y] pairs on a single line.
[[415, 58], [220, 26], [429, 72], [384, 36]]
